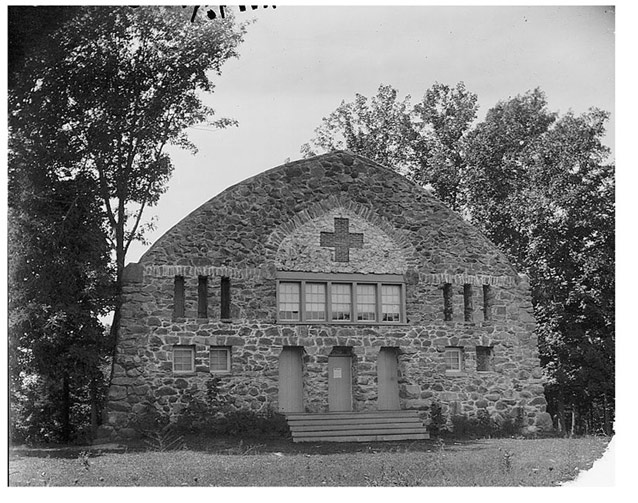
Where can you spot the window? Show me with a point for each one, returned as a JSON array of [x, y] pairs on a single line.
[[178, 297], [487, 302], [289, 295], [315, 301], [391, 302], [453, 359], [447, 302], [340, 298], [202, 297], [225, 299], [341, 301], [366, 302], [183, 359], [484, 358], [468, 310], [219, 359]]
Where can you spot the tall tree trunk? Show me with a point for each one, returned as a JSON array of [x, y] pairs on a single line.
[[66, 408], [94, 407], [560, 405], [119, 274]]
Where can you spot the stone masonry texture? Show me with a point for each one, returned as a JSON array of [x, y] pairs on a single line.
[[273, 222]]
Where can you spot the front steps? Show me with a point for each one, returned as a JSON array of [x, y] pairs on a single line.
[[378, 426]]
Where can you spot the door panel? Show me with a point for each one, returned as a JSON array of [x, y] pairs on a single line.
[[339, 383], [291, 380], [388, 378]]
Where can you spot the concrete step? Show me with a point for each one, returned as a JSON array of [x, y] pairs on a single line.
[[365, 438], [353, 422], [370, 426], [357, 432]]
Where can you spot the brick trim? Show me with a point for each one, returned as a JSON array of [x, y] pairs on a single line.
[[317, 210]]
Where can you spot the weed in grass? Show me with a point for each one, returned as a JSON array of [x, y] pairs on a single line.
[[506, 460], [83, 458], [164, 439]]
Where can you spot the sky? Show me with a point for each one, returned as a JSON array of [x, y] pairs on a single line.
[[297, 64]]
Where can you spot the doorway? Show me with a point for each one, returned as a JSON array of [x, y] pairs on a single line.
[[291, 379], [388, 379], [340, 380]]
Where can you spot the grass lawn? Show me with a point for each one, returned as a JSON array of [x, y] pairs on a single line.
[[210, 462]]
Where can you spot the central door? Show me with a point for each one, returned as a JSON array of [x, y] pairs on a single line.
[[291, 380], [339, 383], [388, 378]]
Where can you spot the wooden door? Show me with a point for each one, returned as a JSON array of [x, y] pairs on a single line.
[[388, 378], [291, 380], [339, 383]]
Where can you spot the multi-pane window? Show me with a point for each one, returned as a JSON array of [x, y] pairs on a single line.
[[219, 359], [453, 359], [183, 358], [366, 302], [340, 299], [315, 301], [289, 296], [391, 303]]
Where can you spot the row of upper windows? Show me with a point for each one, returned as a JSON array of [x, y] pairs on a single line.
[[306, 301], [312, 301]]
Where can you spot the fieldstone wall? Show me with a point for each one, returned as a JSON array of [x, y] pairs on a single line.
[[273, 222]]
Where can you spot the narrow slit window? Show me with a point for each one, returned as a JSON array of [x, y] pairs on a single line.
[[225, 299], [468, 310], [391, 303], [366, 302], [341, 301], [202, 297], [448, 309], [289, 301], [178, 297], [183, 359], [453, 359], [315, 301], [219, 359], [487, 302]]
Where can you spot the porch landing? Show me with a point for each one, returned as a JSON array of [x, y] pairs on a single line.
[[373, 426]]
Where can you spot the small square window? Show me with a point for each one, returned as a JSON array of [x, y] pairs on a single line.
[[183, 359], [484, 358], [219, 359], [453, 359]]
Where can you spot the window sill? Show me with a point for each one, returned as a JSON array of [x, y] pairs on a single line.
[[455, 373], [184, 374]]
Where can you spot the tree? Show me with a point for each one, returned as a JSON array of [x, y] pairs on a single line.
[[378, 128], [60, 282], [539, 186], [424, 142], [107, 92], [444, 118]]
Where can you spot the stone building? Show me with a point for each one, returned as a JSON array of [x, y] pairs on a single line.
[[326, 284]]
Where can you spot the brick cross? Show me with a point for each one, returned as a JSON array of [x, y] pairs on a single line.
[[341, 240]]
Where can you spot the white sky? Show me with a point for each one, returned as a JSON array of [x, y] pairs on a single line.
[[297, 64]]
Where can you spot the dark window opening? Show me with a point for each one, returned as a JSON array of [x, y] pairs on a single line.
[[448, 310], [487, 302], [202, 297], [468, 311], [178, 297], [225, 299], [484, 360]]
